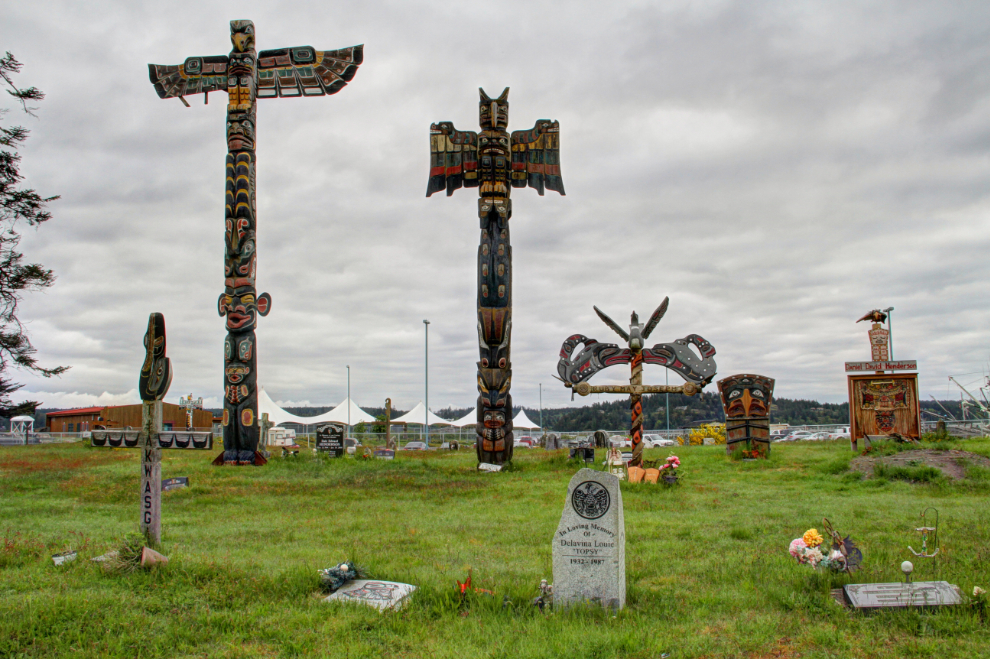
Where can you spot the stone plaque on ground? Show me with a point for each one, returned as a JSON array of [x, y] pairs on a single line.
[[385, 454], [589, 547], [175, 483], [487, 466], [330, 439], [379, 594], [894, 595]]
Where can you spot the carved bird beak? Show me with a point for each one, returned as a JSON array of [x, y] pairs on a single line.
[[494, 114]]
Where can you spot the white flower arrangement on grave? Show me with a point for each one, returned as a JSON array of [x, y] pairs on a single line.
[[843, 556]]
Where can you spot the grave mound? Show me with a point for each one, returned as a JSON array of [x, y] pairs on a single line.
[[952, 462]]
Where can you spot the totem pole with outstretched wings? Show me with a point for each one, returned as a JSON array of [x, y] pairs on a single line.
[[247, 75], [494, 161]]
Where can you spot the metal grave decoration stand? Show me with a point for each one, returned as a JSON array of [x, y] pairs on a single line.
[[495, 161], [677, 356], [153, 384], [246, 76], [746, 400], [882, 403]]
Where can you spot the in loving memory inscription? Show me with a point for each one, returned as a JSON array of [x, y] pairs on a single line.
[[589, 547]]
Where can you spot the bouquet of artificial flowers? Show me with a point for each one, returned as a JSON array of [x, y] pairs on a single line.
[[810, 549]]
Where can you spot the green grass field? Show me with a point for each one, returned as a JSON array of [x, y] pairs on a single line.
[[708, 573]]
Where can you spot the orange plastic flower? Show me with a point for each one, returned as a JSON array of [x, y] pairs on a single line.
[[812, 538]]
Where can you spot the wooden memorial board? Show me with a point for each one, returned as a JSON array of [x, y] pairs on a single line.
[[330, 439], [883, 404]]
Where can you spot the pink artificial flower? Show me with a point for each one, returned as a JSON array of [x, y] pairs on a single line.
[[797, 545]]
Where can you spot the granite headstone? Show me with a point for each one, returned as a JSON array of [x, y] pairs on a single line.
[[330, 439], [589, 547]]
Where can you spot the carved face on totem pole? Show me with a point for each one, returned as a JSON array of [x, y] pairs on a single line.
[[156, 372], [241, 69], [494, 409], [746, 396]]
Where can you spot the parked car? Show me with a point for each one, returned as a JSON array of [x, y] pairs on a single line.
[[520, 444], [655, 441], [528, 441], [620, 442], [818, 436], [840, 433], [414, 446], [796, 435]]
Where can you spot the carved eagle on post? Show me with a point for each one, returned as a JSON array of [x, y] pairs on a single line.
[[876, 316]]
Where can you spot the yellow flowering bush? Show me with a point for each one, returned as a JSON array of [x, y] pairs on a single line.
[[812, 538], [714, 430]]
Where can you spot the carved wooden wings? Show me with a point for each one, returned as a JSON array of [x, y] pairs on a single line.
[[284, 72], [195, 76], [536, 157], [453, 158], [304, 71]]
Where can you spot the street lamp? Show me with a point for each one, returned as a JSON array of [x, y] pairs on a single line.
[[426, 380], [890, 331], [542, 432], [348, 401]]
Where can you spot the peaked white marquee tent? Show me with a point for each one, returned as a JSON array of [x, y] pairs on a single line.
[[522, 421], [469, 419], [416, 416], [277, 415]]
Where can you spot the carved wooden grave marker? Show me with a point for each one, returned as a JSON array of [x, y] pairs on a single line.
[[676, 356], [246, 76], [495, 161], [156, 376], [746, 400]]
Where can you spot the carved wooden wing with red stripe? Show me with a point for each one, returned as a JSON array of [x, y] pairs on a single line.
[[194, 76], [536, 157], [304, 71], [453, 158]]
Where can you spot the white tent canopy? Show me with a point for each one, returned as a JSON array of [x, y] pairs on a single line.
[[276, 415], [416, 416], [522, 421], [469, 419]]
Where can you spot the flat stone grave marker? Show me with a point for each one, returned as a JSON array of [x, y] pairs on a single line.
[[589, 547], [385, 454], [487, 466], [175, 483], [381, 595], [898, 595], [330, 439]]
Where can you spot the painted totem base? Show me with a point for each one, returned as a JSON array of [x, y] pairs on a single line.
[[240, 459], [752, 449]]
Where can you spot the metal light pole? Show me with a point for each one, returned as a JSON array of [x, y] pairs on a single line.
[[890, 331], [426, 381], [348, 401]]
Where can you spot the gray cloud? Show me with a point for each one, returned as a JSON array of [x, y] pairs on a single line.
[[777, 169]]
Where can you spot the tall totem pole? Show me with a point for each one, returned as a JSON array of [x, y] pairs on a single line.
[[246, 76], [493, 160]]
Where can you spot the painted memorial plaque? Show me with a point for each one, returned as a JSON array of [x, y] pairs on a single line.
[[884, 404], [385, 454], [175, 483], [381, 595], [330, 439], [589, 547], [487, 466], [896, 595]]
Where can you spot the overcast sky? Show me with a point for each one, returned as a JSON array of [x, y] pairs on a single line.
[[777, 168]]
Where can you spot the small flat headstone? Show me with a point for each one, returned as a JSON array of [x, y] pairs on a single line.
[[709, 441], [64, 557], [899, 595], [175, 483], [589, 547], [385, 454], [486, 466], [381, 595]]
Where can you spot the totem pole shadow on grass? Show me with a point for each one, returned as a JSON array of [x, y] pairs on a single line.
[[495, 161], [247, 75]]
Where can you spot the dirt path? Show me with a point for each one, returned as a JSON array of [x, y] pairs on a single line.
[[953, 463]]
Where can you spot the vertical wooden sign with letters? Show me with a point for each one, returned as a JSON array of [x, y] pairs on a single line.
[[151, 472]]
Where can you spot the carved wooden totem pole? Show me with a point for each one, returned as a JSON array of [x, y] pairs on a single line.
[[746, 400], [247, 76], [676, 356], [495, 161]]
